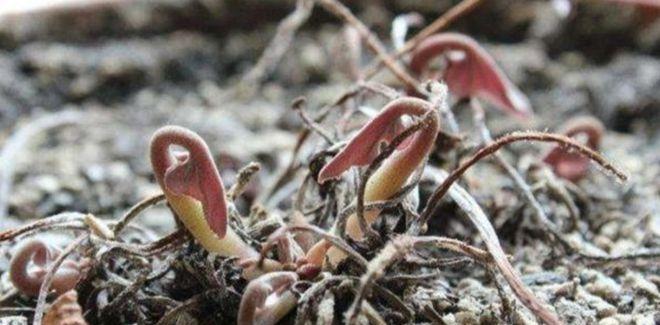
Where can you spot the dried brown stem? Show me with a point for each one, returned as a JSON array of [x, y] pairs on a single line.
[[98, 227], [479, 219], [395, 250], [305, 301], [280, 43], [125, 295], [441, 22], [374, 44], [439, 193], [135, 210], [159, 246], [334, 240], [298, 105], [436, 262], [558, 189], [65, 217], [650, 254], [196, 300], [522, 186], [244, 177]]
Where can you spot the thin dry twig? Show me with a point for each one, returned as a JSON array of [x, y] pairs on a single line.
[[374, 44], [125, 295], [50, 273], [193, 302], [522, 186], [392, 252], [334, 240], [135, 210], [437, 195], [305, 301], [278, 46], [649, 254], [61, 218], [479, 219], [441, 22], [98, 227], [375, 164], [298, 105], [395, 250], [558, 189], [159, 246], [19, 140], [244, 177], [435, 262]]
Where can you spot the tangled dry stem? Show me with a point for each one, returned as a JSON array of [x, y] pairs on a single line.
[[439, 193]]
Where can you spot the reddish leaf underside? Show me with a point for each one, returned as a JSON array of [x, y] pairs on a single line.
[[365, 145], [470, 71], [201, 181], [571, 165]]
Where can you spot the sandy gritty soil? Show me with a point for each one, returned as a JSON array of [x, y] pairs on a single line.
[[113, 75]]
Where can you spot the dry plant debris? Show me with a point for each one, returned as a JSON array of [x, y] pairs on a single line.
[[361, 224]]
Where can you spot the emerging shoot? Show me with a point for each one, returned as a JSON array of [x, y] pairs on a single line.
[[30, 263], [267, 299], [470, 72], [394, 172], [192, 185], [571, 165]]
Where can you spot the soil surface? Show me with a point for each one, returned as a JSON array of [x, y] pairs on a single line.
[[83, 90]]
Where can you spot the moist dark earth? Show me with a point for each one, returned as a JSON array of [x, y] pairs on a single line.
[[133, 67]]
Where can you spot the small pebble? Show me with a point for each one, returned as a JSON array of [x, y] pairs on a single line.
[[640, 284], [47, 183], [601, 285]]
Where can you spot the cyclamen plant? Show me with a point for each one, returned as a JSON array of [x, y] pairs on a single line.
[[571, 165], [469, 72], [29, 265], [193, 187], [394, 172]]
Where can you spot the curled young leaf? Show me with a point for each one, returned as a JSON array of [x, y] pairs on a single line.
[[570, 165], [266, 299], [394, 171], [192, 185], [29, 265], [364, 146], [191, 174], [470, 71]]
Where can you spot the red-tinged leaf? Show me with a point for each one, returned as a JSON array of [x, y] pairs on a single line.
[[201, 182], [571, 165], [470, 71], [253, 308], [192, 173], [364, 146]]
